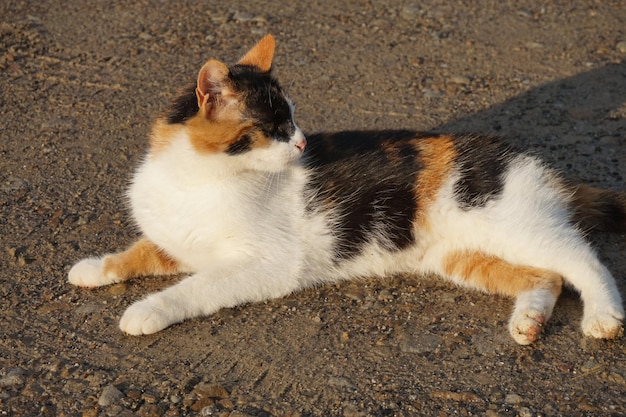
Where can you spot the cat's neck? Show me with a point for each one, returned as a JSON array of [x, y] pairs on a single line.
[[180, 161]]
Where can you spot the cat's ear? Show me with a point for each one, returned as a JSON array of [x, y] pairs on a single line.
[[211, 88], [261, 54]]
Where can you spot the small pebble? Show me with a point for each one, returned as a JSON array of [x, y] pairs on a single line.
[[238, 414], [385, 295], [13, 378], [150, 410], [621, 47], [410, 12], [205, 390], [420, 343], [339, 381], [459, 79], [589, 366], [91, 412], [118, 289], [513, 399], [430, 93], [14, 184], [209, 410], [355, 293], [110, 394], [87, 309], [533, 45], [149, 397], [239, 16]]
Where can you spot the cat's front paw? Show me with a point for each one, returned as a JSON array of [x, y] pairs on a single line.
[[90, 273], [146, 317], [526, 328], [603, 324]]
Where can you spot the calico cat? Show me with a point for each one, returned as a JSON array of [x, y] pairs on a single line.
[[232, 194]]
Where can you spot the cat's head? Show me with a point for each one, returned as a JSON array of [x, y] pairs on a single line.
[[240, 112]]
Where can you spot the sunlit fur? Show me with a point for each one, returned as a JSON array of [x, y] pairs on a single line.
[[231, 194]]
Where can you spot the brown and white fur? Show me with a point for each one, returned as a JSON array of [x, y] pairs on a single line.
[[231, 194]]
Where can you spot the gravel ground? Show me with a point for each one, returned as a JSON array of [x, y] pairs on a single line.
[[81, 82]]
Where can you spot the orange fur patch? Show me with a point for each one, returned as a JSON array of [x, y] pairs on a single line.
[[437, 155], [141, 259], [162, 134], [261, 54], [214, 136], [207, 136], [496, 275]]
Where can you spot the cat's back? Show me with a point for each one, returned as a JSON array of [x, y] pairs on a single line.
[[382, 187], [419, 162]]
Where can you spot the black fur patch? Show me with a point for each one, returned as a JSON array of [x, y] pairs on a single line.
[[614, 211], [184, 107], [482, 162], [241, 145], [369, 178], [608, 212], [265, 101]]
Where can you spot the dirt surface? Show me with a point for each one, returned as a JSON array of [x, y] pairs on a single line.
[[80, 83]]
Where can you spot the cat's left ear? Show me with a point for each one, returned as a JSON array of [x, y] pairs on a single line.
[[212, 88], [261, 54]]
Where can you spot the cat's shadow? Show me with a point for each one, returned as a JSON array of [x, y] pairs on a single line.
[[577, 124]]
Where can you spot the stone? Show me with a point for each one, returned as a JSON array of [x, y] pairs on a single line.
[[513, 399], [205, 390], [339, 381], [410, 12], [110, 395], [87, 309], [118, 289], [150, 410], [13, 378], [420, 343], [209, 410], [459, 79]]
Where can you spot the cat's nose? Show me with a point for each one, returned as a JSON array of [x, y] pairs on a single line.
[[301, 144]]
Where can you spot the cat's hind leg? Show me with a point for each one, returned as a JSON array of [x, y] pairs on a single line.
[[536, 290], [603, 313], [141, 259], [565, 251]]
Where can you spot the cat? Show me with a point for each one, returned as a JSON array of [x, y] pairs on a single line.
[[234, 195]]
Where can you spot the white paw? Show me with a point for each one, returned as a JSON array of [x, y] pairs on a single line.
[[603, 324], [146, 317], [526, 327], [90, 273]]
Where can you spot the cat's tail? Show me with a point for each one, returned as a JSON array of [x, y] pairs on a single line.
[[598, 209]]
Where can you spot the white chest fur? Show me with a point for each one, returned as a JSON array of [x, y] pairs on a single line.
[[200, 211]]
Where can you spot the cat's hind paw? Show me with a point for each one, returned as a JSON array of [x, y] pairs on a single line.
[[146, 317], [603, 325], [90, 273], [526, 328]]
